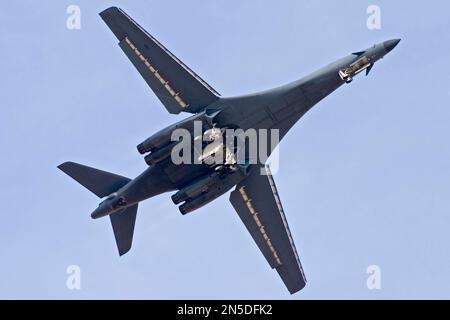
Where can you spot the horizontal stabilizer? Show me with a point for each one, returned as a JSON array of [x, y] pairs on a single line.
[[99, 182]]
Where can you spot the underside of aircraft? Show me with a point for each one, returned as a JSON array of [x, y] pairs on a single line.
[[255, 196]]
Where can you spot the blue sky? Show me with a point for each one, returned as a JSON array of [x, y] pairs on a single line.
[[364, 176]]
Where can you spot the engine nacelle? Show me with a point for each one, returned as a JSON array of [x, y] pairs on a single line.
[[206, 190], [196, 188], [163, 137], [160, 154], [200, 201]]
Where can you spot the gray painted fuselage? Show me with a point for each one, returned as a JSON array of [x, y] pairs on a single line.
[[279, 108]]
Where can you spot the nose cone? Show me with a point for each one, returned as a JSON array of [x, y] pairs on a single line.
[[391, 44]]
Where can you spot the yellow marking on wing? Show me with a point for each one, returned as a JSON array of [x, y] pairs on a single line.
[[173, 93], [255, 217], [283, 216]]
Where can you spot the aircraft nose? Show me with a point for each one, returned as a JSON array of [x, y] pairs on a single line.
[[391, 44]]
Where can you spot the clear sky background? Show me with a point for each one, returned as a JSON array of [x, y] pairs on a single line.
[[364, 177]]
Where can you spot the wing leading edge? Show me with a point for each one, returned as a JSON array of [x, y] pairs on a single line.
[[257, 203], [175, 84]]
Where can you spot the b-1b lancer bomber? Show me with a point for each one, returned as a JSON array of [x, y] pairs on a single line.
[[194, 184]]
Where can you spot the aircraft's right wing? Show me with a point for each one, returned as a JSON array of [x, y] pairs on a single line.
[[257, 202], [177, 87]]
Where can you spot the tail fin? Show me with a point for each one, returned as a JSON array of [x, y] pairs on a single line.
[[123, 227], [102, 184]]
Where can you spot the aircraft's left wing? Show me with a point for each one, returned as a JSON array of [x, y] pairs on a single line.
[[257, 202], [175, 84]]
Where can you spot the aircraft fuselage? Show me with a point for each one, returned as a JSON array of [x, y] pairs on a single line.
[[278, 108]]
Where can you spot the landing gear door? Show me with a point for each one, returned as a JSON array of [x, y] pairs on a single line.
[[356, 67]]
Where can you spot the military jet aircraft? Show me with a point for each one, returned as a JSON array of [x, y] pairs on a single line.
[[255, 197]]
